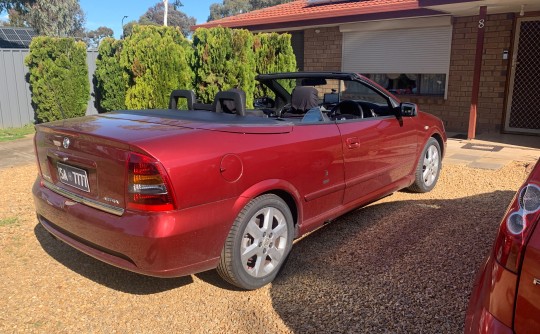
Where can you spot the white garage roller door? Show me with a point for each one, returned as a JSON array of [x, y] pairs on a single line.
[[420, 46]]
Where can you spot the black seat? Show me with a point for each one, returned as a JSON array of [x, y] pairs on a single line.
[[232, 102], [304, 98], [189, 95]]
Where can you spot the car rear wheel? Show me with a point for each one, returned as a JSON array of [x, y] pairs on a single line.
[[428, 168], [258, 243]]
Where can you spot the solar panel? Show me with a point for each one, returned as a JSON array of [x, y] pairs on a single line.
[[16, 37]]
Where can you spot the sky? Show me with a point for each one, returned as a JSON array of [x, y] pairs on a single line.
[[110, 13]]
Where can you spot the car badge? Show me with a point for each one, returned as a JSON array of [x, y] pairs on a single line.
[[66, 142]]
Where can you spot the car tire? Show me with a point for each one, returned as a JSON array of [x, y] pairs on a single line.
[[258, 243], [428, 167]]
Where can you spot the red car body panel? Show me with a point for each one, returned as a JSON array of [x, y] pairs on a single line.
[[527, 317], [215, 169], [503, 301]]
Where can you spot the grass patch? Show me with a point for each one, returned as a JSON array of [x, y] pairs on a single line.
[[16, 133], [8, 221]]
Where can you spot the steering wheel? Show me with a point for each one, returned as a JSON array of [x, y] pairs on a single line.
[[287, 107], [264, 102], [347, 107]]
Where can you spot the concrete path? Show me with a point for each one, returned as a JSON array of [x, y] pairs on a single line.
[[17, 152], [491, 152]]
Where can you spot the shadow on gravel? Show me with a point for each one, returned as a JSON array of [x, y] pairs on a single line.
[[395, 267], [102, 273], [212, 277]]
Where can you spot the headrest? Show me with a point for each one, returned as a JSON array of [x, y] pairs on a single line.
[[231, 102], [304, 98], [189, 95]]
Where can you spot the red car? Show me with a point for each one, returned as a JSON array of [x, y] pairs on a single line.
[[170, 193], [506, 295]]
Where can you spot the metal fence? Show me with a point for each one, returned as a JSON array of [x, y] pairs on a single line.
[[15, 97]]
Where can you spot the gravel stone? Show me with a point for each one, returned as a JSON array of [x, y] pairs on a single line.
[[404, 264]]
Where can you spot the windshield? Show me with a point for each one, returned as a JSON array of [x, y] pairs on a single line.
[[329, 91]]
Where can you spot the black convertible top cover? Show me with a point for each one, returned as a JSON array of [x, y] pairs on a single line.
[[203, 116]]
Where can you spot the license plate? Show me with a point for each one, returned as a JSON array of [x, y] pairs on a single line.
[[73, 176]]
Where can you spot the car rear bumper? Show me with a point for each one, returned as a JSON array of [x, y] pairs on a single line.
[[491, 303], [164, 244], [486, 323]]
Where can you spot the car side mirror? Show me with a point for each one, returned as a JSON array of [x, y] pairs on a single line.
[[408, 109]]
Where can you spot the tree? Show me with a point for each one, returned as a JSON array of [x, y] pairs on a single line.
[[109, 81], [127, 29], [223, 59], [234, 7], [58, 18], [93, 37], [155, 61], [273, 54], [175, 18], [19, 5], [17, 11], [16, 18], [58, 78], [228, 8]]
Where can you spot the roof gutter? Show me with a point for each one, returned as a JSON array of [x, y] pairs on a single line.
[[300, 21]]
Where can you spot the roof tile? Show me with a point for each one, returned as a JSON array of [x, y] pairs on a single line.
[[299, 10]]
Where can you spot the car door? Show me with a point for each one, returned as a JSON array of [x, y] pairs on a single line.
[[379, 150]]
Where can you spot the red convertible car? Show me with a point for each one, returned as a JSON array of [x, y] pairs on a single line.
[[175, 192], [506, 295]]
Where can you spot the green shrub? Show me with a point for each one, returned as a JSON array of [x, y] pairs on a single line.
[[155, 61], [223, 59], [109, 82], [273, 54], [58, 78]]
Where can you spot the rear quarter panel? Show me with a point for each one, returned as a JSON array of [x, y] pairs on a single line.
[[527, 315], [303, 162]]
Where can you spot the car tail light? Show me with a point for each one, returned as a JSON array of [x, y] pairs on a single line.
[[43, 164], [148, 186], [517, 226]]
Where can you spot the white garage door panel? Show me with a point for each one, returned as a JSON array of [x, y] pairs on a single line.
[[417, 50]]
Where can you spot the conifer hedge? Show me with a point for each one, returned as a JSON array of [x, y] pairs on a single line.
[[155, 61], [224, 59], [273, 54], [141, 71], [58, 78], [109, 82]]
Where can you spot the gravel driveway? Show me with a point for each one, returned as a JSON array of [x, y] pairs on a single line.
[[403, 264]]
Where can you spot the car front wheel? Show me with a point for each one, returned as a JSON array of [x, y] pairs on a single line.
[[428, 167], [258, 243]]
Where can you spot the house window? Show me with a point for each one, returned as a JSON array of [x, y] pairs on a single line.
[[411, 84], [409, 56]]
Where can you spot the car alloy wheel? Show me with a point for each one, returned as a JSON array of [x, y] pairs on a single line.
[[258, 243], [430, 168], [264, 242]]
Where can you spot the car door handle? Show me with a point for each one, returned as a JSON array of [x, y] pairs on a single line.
[[353, 142]]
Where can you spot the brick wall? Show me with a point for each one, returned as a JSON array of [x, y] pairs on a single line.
[[322, 50], [455, 110]]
